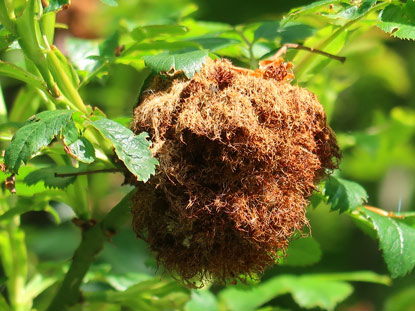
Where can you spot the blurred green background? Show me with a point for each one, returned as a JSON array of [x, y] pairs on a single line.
[[370, 102]]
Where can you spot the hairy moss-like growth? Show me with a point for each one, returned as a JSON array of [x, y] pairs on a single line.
[[239, 157]]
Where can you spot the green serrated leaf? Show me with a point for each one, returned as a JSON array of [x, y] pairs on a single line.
[[289, 32], [344, 195], [153, 31], [302, 252], [56, 5], [108, 46], [47, 176], [351, 12], [110, 2], [397, 240], [132, 149], [311, 8], [35, 134], [399, 21], [189, 62], [70, 133], [82, 150]]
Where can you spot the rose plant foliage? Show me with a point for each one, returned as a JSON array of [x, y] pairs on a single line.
[[218, 160]]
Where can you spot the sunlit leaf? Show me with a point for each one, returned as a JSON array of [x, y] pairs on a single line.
[[311, 8], [37, 133], [344, 195], [399, 20], [397, 240], [353, 11], [132, 149], [189, 62]]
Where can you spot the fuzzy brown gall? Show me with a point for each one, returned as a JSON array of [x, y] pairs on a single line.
[[239, 157]]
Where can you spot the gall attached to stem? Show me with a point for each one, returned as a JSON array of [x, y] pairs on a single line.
[[240, 153]]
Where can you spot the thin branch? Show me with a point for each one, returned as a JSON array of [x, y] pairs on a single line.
[[302, 66], [108, 170], [382, 212], [285, 47]]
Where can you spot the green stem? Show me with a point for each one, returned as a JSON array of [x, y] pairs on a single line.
[[14, 261], [17, 242], [65, 84], [302, 66], [7, 17], [92, 243], [3, 108], [253, 60], [28, 30]]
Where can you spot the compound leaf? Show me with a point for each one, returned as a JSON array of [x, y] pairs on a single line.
[[132, 149], [399, 21], [397, 240], [35, 134], [189, 62], [344, 195]]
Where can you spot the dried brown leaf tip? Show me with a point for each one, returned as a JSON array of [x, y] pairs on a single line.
[[239, 157]]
